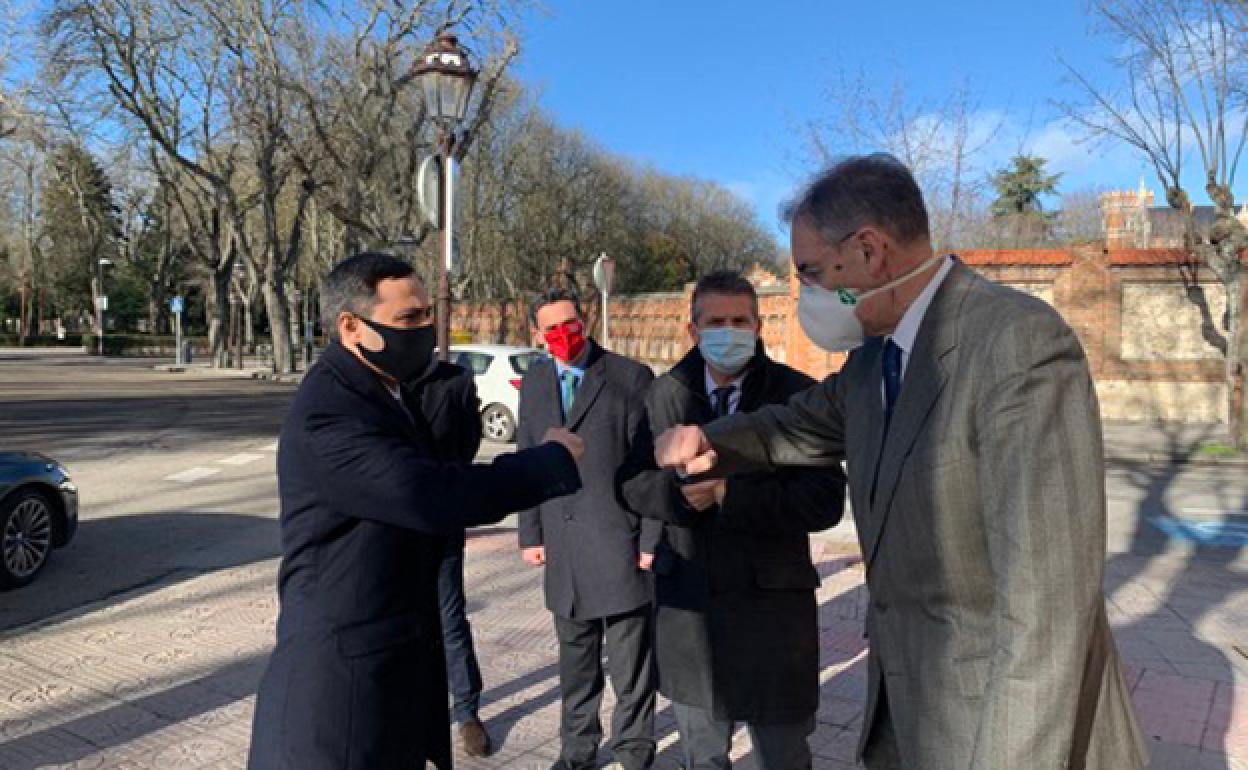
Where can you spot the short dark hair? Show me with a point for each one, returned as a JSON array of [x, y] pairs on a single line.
[[723, 282], [351, 287], [862, 190], [550, 297]]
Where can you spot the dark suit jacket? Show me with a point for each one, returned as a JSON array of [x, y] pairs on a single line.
[[592, 540], [737, 629], [447, 402], [357, 681]]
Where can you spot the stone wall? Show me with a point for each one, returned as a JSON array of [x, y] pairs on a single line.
[[1129, 309]]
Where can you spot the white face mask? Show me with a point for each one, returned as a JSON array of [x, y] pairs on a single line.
[[827, 315]]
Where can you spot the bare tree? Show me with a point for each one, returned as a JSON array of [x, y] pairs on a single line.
[[942, 143], [1184, 70], [1080, 219]]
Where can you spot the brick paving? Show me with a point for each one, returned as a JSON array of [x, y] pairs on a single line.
[[164, 679]]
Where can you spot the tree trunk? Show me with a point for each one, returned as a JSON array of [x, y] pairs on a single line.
[[279, 323], [218, 305], [1237, 361], [295, 313], [249, 324]]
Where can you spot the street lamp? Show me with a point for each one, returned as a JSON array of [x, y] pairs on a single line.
[[446, 76], [101, 301]]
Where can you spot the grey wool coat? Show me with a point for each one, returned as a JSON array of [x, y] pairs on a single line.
[[985, 541], [592, 539]]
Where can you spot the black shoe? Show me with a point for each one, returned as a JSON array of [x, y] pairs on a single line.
[[564, 764]]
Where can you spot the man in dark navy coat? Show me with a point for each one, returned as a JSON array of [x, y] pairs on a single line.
[[596, 552], [358, 681], [737, 634]]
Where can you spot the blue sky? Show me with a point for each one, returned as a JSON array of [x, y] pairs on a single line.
[[720, 88]]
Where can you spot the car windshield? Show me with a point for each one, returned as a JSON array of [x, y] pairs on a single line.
[[521, 362]]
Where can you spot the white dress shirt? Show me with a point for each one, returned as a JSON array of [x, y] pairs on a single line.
[[908, 327]]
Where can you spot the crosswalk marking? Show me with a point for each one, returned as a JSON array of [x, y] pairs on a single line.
[[239, 459], [193, 474]]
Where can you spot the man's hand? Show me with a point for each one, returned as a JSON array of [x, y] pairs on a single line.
[[685, 449], [704, 494], [645, 561], [568, 439], [534, 556]]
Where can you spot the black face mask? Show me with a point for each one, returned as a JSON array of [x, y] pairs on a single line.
[[407, 354]]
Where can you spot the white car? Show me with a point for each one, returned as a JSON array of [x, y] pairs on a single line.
[[497, 370]]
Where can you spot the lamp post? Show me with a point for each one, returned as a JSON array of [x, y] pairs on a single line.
[[101, 302], [447, 77]]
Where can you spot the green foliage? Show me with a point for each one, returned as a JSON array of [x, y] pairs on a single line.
[[41, 341], [82, 225], [1021, 187]]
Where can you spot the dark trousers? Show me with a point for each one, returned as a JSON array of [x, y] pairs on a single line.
[[630, 662], [880, 751], [707, 741], [462, 671]]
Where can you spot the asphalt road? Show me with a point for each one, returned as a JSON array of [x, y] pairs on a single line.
[[176, 476]]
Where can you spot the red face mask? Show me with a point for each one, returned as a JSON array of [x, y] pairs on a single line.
[[566, 341]]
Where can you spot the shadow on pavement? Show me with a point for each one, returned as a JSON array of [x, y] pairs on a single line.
[[205, 702], [121, 557], [1181, 684]]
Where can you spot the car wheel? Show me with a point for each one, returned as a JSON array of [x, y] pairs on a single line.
[[498, 424], [25, 537]]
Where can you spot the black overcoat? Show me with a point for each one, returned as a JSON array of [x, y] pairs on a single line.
[[357, 680], [592, 539], [736, 626]]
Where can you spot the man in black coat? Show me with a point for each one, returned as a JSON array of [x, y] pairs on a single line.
[[737, 636], [447, 400], [595, 551], [357, 680]]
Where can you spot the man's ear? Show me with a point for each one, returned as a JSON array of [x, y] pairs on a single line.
[[693, 332], [873, 243], [347, 324]]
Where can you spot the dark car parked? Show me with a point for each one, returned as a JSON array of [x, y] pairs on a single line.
[[38, 512]]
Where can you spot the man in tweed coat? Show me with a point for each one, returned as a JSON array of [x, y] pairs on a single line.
[[970, 426]]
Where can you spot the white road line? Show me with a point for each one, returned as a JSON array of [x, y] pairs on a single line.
[[193, 474], [239, 459], [270, 448]]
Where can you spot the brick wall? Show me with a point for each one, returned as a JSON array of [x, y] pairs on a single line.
[[1128, 307]]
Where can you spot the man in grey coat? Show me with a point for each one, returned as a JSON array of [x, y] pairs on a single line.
[[596, 552], [969, 422]]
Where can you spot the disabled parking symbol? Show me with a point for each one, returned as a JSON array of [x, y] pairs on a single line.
[[1215, 532]]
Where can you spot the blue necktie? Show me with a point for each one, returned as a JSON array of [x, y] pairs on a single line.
[[568, 391], [890, 366], [722, 400]]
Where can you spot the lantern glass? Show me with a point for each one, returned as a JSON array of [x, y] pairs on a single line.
[[446, 95]]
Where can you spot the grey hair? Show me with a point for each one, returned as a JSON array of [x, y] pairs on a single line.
[[861, 190], [351, 287]]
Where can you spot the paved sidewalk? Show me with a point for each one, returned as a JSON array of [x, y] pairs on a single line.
[[165, 679]]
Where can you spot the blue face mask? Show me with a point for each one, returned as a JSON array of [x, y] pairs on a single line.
[[727, 349]]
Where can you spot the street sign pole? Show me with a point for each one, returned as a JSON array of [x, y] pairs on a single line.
[[604, 276], [177, 304]]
